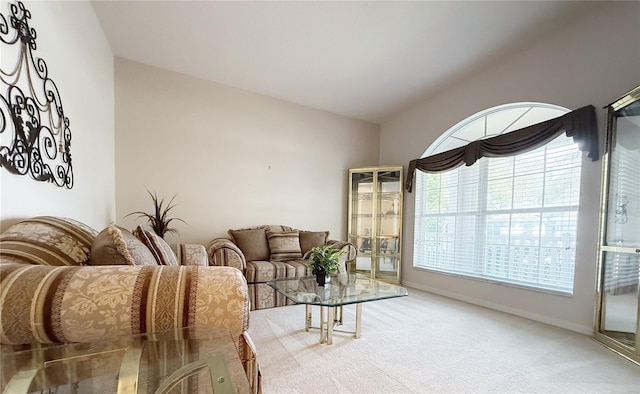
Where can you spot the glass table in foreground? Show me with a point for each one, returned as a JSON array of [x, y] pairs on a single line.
[[339, 290], [187, 360]]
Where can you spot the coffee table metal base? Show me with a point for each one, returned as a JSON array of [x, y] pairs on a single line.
[[330, 317]]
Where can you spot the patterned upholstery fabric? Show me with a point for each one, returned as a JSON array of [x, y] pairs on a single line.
[[43, 299], [117, 246], [284, 245], [190, 254], [223, 252], [258, 271], [250, 363], [264, 271], [158, 247], [47, 240], [116, 300], [107, 301]]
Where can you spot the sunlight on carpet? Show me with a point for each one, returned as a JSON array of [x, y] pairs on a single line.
[[425, 343]]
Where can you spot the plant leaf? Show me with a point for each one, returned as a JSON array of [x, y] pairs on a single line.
[[159, 221]]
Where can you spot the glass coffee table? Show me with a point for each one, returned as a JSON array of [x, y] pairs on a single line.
[[339, 290], [188, 360]]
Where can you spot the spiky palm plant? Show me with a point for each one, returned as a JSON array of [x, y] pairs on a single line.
[[158, 221]]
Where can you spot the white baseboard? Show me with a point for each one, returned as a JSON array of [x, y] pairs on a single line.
[[513, 311]]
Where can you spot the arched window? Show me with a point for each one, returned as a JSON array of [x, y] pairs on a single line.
[[510, 219]]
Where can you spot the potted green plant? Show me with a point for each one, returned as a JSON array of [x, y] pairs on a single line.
[[323, 261], [158, 220]]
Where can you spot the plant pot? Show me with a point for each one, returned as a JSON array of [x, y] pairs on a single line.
[[321, 278]]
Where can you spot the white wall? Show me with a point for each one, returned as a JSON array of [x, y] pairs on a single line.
[[234, 158], [592, 60], [80, 62]]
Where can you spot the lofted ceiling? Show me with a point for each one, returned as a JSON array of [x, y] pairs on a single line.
[[366, 60]]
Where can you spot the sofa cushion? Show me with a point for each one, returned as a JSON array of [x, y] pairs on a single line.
[[160, 250], [47, 240], [117, 246], [278, 228], [252, 242], [263, 271], [311, 239], [284, 245]]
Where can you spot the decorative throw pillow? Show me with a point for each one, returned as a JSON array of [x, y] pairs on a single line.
[[311, 239], [252, 243], [157, 246], [284, 245], [277, 228], [117, 246]]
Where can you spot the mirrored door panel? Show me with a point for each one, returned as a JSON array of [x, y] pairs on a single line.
[[618, 308], [623, 224], [620, 296]]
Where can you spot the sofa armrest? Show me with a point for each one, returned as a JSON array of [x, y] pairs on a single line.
[[343, 267], [46, 304], [190, 254], [348, 246], [223, 252], [250, 363]]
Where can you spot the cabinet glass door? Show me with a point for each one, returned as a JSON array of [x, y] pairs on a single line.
[[618, 323], [386, 248], [361, 226]]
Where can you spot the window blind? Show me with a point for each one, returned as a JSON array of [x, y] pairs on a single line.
[[511, 219]]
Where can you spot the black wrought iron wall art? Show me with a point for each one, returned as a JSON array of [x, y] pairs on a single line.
[[35, 138]]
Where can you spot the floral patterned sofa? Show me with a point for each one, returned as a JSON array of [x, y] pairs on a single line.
[[269, 252], [52, 291]]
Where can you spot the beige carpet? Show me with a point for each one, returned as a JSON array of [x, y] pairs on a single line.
[[425, 343]]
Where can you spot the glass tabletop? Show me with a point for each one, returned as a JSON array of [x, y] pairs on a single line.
[[188, 360], [340, 289]]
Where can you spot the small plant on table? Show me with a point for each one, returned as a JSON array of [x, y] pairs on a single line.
[[323, 261]]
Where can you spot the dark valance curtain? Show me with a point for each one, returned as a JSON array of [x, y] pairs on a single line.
[[580, 124]]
